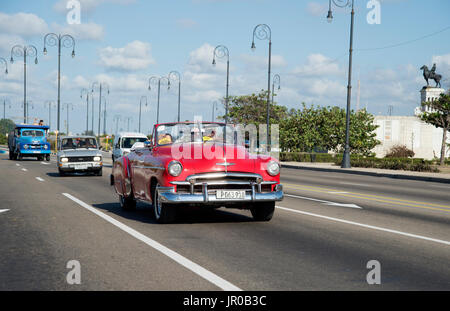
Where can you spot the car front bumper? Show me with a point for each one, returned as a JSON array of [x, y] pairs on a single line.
[[34, 152], [80, 166], [168, 195]]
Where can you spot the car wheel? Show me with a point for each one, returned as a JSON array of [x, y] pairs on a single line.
[[99, 172], [40, 158], [263, 211], [61, 172], [47, 157], [127, 203], [164, 213]]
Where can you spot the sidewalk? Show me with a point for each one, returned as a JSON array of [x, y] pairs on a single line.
[[331, 167]]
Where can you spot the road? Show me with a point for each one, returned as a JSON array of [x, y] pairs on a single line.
[[323, 234]]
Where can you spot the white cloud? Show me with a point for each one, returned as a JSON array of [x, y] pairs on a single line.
[[316, 9], [87, 5], [22, 24], [83, 31], [318, 65], [134, 56]]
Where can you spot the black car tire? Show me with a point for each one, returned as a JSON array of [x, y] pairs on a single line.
[[263, 211], [47, 158], [127, 203], [99, 172], [61, 172], [164, 213]]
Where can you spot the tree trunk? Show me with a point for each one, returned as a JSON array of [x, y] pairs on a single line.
[[444, 146]]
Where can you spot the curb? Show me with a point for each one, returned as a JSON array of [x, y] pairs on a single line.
[[393, 175]]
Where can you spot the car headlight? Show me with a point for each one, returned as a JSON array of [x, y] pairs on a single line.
[[175, 168], [273, 168], [97, 159], [25, 146], [45, 147], [63, 160]]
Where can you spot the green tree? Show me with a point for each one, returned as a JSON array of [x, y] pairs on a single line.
[[6, 126], [252, 109], [440, 118], [324, 128]]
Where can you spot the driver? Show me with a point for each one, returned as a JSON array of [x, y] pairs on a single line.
[[211, 136], [68, 143], [164, 139]]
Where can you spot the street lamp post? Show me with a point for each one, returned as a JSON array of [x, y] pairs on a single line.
[[222, 51], [26, 108], [140, 110], [6, 64], [68, 106], [100, 104], [177, 76], [84, 90], [117, 118], [92, 118], [128, 122], [263, 32], [49, 104], [4, 106], [342, 3], [67, 41], [213, 110], [19, 51], [154, 79], [276, 80]]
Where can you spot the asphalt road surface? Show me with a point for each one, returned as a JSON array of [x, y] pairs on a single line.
[[322, 236]]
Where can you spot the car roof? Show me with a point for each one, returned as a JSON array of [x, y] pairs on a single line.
[[76, 136], [131, 134], [31, 126]]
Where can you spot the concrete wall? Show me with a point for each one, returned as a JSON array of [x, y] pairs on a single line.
[[424, 139]]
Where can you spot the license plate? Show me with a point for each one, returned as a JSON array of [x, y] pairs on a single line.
[[36, 152], [230, 194], [81, 166]]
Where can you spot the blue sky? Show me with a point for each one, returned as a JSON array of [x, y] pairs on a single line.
[[124, 42]]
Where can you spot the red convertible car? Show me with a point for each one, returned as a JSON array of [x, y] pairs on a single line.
[[197, 164]]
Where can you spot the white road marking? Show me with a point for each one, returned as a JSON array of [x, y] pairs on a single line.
[[45, 163], [24, 169], [206, 274], [354, 184], [39, 178], [367, 226], [324, 202], [337, 192], [17, 164], [3, 210]]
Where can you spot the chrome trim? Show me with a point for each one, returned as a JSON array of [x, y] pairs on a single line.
[[222, 175], [225, 164], [222, 182], [148, 167], [167, 195], [205, 192]]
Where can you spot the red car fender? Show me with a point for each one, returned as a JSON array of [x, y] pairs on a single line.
[[127, 187]]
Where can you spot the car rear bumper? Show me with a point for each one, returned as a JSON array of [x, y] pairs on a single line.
[[168, 195]]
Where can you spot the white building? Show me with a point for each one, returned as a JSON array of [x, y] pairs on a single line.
[[423, 138]]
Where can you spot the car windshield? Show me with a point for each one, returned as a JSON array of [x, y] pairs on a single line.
[[32, 133], [128, 142], [78, 143], [168, 134]]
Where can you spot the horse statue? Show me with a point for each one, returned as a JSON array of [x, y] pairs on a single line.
[[431, 74]]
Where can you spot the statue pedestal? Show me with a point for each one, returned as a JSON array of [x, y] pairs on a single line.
[[428, 94]]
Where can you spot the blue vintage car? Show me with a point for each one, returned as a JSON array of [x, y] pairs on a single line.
[[29, 141]]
